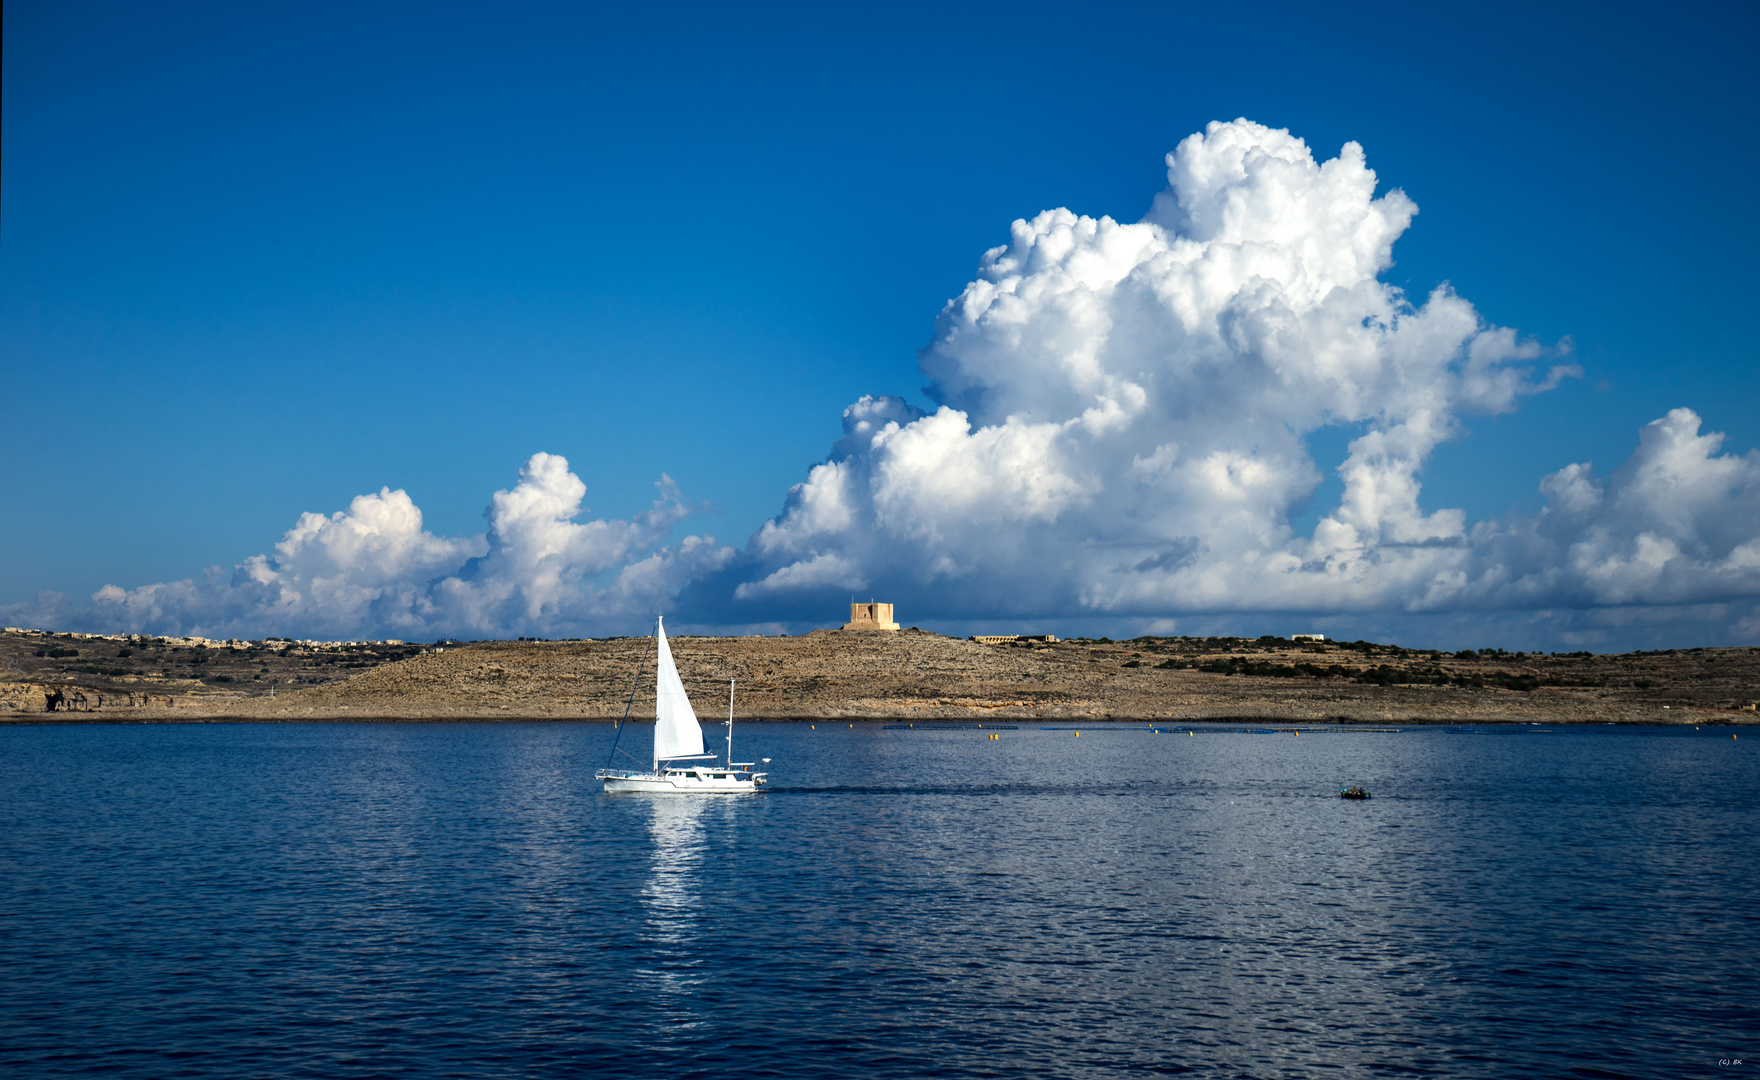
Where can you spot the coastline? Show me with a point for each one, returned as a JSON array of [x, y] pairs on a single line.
[[1696, 719], [919, 677]]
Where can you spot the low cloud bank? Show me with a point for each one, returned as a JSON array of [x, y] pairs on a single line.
[[1120, 445], [373, 571]]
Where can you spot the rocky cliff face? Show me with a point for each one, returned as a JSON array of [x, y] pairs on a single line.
[[16, 697]]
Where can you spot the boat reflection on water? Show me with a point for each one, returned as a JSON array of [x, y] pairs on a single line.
[[675, 826], [672, 898]]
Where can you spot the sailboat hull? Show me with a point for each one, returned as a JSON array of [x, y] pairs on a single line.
[[692, 782]]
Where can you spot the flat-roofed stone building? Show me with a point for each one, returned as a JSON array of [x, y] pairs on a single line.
[[1010, 639], [870, 616]]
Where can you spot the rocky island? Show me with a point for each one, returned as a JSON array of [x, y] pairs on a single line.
[[907, 675]]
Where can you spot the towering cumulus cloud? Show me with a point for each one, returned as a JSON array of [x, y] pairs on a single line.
[[1123, 423]]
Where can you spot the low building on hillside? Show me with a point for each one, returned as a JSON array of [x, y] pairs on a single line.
[[870, 616], [1009, 639], [1307, 637]]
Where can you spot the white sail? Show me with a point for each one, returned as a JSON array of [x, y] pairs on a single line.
[[676, 731]]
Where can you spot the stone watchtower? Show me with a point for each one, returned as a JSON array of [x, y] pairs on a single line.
[[870, 617]]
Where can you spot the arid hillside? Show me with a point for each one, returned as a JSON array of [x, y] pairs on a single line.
[[915, 675]]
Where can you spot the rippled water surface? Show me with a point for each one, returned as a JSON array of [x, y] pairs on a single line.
[[344, 900]]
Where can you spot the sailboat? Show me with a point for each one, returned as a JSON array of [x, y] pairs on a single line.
[[679, 737]]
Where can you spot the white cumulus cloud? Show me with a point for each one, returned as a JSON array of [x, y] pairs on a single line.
[[1677, 524], [374, 569], [1123, 423]]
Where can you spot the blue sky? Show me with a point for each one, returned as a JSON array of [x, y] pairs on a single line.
[[257, 261]]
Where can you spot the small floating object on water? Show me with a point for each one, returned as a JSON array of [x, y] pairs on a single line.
[[1352, 793]]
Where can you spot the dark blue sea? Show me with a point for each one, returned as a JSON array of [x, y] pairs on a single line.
[[459, 900]]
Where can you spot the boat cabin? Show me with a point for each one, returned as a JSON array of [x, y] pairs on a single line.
[[708, 774], [711, 775]]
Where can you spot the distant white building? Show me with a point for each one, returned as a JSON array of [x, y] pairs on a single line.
[[1307, 637]]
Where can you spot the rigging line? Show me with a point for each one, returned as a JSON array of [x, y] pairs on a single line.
[[621, 724]]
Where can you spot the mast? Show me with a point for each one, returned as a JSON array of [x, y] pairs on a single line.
[[730, 723], [634, 687]]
